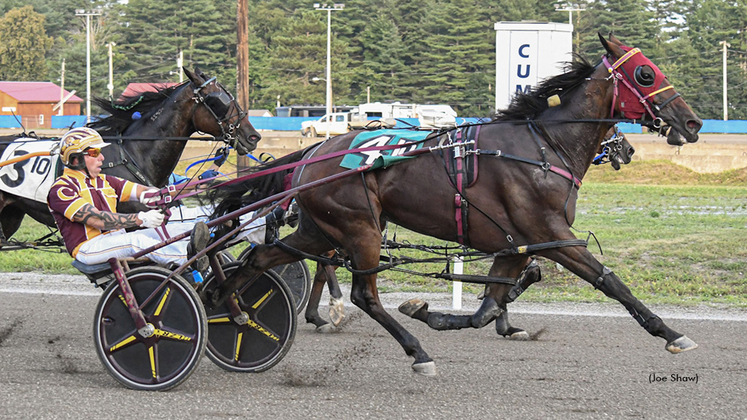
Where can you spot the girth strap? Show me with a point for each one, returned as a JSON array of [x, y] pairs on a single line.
[[129, 163]]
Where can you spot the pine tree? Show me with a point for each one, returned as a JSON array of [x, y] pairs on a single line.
[[23, 45]]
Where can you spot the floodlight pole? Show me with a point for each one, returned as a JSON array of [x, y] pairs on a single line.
[[329, 9], [88, 14]]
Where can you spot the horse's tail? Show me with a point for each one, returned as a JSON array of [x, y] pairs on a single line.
[[232, 197]]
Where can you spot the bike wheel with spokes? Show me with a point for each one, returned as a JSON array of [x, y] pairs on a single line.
[[296, 275], [264, 337], [167, 357]]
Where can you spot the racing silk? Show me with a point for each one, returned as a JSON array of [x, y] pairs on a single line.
[[73, 190]]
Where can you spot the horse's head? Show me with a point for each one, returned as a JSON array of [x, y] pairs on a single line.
[[646, 94], [221, 115], [614, 149]]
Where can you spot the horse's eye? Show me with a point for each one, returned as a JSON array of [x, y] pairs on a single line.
[[644, 76]]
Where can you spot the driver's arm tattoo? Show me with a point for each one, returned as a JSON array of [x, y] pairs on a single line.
[[104, 220]]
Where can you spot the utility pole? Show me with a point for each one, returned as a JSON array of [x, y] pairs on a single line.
[[242, 63], [111, 72], [62, 87], [179, 65], [726, 104]]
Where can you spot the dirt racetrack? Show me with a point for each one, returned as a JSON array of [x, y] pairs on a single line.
[[585, 361]]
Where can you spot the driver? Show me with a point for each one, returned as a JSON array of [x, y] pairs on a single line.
[[83, 202]]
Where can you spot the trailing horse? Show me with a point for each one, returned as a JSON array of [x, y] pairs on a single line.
[[151, 131], [531, 160]]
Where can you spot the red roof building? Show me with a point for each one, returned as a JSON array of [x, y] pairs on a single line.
[[34, 101]]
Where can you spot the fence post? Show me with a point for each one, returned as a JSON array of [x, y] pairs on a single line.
[[456, 299]]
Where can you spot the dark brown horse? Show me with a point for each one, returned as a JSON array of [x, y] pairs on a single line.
[[523, 203], [199, 104], [614, 149]]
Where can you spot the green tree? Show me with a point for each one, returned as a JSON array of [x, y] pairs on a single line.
[[298, 55], [23, 45]]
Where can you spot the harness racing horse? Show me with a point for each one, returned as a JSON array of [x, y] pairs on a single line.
[[614, 149], [531, 161], [157, 125]]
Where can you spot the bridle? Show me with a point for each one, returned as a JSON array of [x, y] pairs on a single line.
[[620, 72], [217, 103]]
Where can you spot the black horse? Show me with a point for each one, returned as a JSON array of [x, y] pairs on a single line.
[[145, 154], [531, 160]]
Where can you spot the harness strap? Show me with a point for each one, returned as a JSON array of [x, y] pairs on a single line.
[[552, 168], [129, 163], [530, 249]]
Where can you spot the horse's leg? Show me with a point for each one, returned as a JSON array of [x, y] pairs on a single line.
[[312, 308], [325, 274], [364, 295], [493, 304], [10, 220], [336, 305], [580, 261], [529, 276]]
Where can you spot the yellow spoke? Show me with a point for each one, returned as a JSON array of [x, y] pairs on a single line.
[[238, 346], [162, 302], [122, 343], [152, 361], [173, 336], [219, 320], [262, 299], [262, 330]]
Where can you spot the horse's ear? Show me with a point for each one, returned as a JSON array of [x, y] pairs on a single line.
[[191, 76], [612, 48], [614, 39]]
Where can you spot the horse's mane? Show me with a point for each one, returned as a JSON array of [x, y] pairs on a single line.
[[120, 111], [531, 104]]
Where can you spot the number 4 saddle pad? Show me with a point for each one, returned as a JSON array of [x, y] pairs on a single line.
[[383, 158], [30, 177]]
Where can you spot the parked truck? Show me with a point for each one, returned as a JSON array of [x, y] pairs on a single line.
[[382, 114], [339, 123]]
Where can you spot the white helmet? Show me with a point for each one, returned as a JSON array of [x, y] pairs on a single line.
[[77, 141]]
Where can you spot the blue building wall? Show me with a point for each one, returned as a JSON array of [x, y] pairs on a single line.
[[294, 123]]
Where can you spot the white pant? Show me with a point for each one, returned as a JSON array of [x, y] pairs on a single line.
[[121, 244]]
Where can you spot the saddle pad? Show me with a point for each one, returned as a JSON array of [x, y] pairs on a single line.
[[382, 158], [29, 178]]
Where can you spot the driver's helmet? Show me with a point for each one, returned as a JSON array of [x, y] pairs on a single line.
[[77, 140]]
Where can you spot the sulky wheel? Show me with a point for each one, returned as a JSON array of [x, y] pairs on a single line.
[[168, 356], [296, 275], [265, 334]]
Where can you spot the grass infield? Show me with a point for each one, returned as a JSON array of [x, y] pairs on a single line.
[[672, 235]]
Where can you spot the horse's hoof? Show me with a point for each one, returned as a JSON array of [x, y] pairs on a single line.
[[412, 306], [516, 334], [336, 311], [425, 369], [326, 329], [680, 345]]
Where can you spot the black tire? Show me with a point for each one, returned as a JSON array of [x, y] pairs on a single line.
[[296, 275], [268, 336], [159, 362]]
